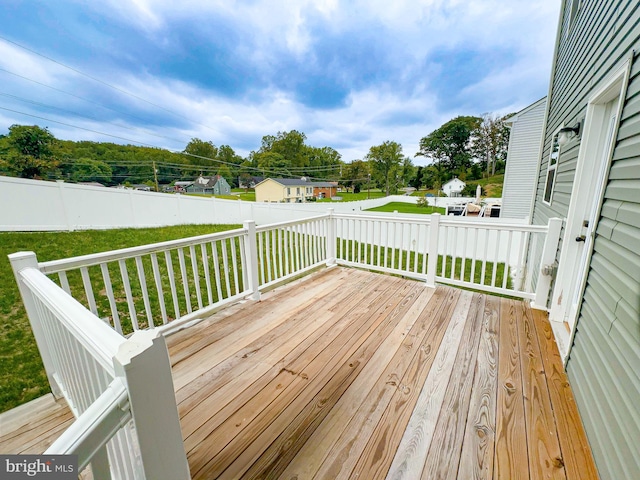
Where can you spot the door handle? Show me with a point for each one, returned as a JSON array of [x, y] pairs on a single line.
[[581, 238]]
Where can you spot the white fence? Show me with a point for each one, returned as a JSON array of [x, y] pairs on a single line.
[[35, 205], [152, 290]]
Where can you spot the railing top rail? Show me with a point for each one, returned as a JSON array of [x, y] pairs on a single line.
[[444, 220], [94, 335], [290, 223], [98, 258]]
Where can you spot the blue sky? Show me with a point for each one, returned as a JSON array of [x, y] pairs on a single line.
[[349, 74]]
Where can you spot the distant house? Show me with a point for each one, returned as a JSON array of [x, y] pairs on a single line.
[[250, 182], [325, 189], [454, 187], [521, 174], [286, 190], [181, 186], [141, 187], [215, 185]]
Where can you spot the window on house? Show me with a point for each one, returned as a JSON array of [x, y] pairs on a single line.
[[297, 190], [288, 191], [552, 166]]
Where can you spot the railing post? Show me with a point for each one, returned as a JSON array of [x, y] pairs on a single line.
[[251, 254], [432, 254], [143, 364], [20, 261], [547, 260], [331, 239]]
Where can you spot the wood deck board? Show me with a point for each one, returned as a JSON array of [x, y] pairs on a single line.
[[352, 374]]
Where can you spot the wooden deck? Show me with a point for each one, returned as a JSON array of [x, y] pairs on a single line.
[[351, 374]]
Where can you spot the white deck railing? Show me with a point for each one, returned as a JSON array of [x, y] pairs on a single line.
[[109, 359], [108, 382]]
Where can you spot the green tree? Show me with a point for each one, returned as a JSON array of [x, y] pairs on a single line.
[[490, 141], [384, 160], [449, 144], [30, 152], [356, 174], [89, 170]]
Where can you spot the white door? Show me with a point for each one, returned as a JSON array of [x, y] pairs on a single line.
[[592, 168], [588, 227]]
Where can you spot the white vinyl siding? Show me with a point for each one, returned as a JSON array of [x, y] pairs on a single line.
[[521, 173]]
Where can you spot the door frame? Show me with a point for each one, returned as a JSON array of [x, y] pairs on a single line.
[[588, 187]]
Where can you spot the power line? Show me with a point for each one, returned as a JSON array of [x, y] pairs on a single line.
[[95, 79], [85, 116], [258, 169]]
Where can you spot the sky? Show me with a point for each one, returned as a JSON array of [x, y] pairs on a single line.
[[349, 74]]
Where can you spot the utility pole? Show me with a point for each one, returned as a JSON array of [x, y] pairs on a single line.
[[155, 175], [369, 186]]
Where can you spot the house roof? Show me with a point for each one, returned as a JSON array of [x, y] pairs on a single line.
[[513, 118], [299, 182], [453, 180]]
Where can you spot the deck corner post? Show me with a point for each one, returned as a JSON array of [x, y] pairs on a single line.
[[20, 261], [251, 254], [432, 253], [547, 259], [143, 364], [331, 239]]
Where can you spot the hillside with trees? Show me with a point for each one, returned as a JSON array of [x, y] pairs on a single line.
[[469, 147]]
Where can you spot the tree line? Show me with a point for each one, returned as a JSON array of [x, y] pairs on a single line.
[[467, 147]]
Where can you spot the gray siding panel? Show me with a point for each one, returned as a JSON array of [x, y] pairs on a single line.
[[604, 363]]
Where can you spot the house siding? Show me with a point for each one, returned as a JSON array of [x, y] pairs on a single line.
[[604, 363], [522, 161]]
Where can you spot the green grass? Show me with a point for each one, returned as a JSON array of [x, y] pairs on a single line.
[[402, 207], [397, 259], [22, 376], [491, 185], [248, 196], [351, 197]]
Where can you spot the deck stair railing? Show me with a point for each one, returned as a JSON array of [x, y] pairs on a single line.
[[99, 319]]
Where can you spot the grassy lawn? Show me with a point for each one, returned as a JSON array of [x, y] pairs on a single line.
[[492, 185], [248, 196], [402, 207], [351, 197], [22, 376]]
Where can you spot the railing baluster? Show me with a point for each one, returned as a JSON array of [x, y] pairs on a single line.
[[145, 292], [416, 257], [379, 243], [280, 251], [106, 278], [407, 264], [185, 279], [172, 283], [287, 237], [472, 278], [506, 260], [216, 266], [64, 281], [401, 246], [196, 274], [298, 247], [454, 253], [365, 242], [444, 253], [495, 259], [234, 263], [261, 255], [484, 257], [88, 290], [158, 281], [464, 253], [267, 255], [244, 265], [393, 246], [127, 291], [207, 275], [386, 245], [225, 264]]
